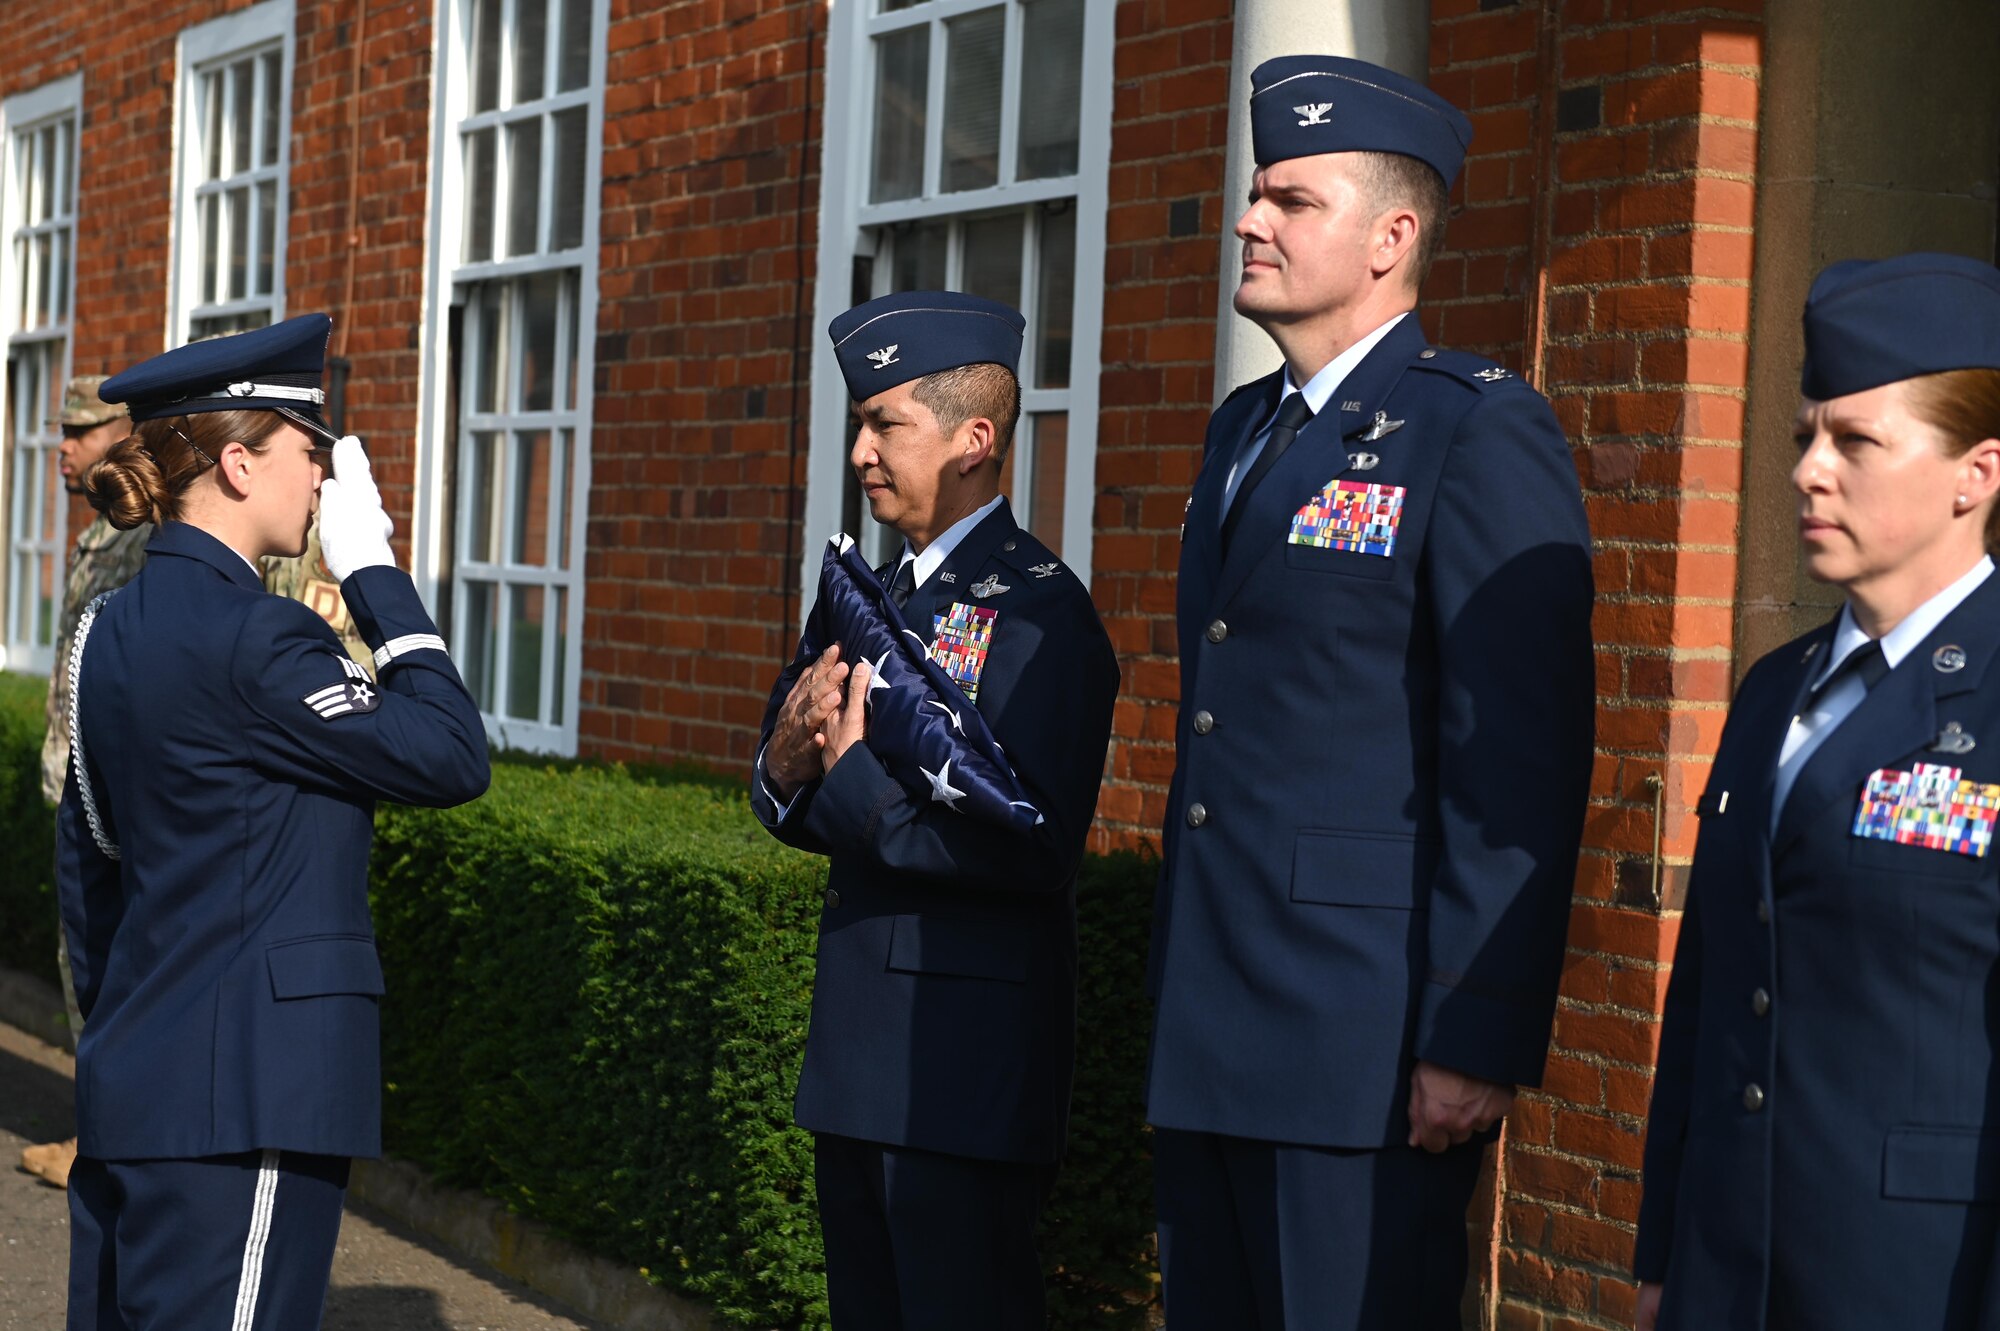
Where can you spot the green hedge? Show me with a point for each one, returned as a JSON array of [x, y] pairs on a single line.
[[27, 834], [598, 987]]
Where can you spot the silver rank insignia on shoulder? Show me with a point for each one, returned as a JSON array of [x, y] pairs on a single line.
[[884, 357], [948, 577], [1493, 374], [1046, 570], [1363, 461], [990, 585], [1382, 426], [1953, 739], [356, 693]]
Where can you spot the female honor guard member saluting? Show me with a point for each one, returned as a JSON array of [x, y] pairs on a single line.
[[213, 845], [1824, 1149]]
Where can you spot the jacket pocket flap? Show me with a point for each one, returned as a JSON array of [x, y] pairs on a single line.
[[1364, 869], [930, 946], [1941, 1165], [315, 967]]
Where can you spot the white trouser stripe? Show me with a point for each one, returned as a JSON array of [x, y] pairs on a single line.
[[253, 1247]]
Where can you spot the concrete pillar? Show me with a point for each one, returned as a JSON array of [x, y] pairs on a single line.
[[1393, 33]]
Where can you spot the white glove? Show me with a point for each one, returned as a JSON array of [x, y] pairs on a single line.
[[354, 530]]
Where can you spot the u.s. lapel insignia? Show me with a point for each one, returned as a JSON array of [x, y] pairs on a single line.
[[1930, 806], [1493, 374], [1045, 570], [355, 694], [990, 585], [1953, 739], [1350, 406], [948, 577], [1363, 461], [964, 635], [1948, 659], [1382, 426]]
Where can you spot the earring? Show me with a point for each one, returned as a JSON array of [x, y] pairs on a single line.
[[1962, 505]]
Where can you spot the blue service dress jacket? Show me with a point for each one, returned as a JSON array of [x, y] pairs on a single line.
[[1384, 752], [944, 1006], [1824, 1147], [225, 961]]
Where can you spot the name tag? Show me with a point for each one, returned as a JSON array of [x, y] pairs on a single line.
[[1929, 806], [1351, 515]]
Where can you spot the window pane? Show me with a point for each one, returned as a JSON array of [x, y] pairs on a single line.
[[573, 64], [239, 241], [479, 202], [485, 55], [41, 279], [561, 467], [490, 370], [1055, 297], [539, 295], [1045, 508], [531, 49], [21, 268], [210, 233], [267, 234], [891, 6], [45, 173], [211, 106], [45, 602], [574, 353], [1054, 34], [972, 100], [919, 259], [60, 259], [274, 91], [561, 618], [528, 529], [992, 258], [482, 479], [524, 185], [63, 204], [902, 92], [524, 654], [242, 111], [571, 153], [477, 642]]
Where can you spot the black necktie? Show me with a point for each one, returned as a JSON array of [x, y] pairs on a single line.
[[903, 583], [1867, 661], [1293, 413]]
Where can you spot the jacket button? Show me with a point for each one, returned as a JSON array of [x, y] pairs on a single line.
[[1760, 1002], [1218, 631], [1008, 546], [832, 898], [1763, 912], [1197, 815], [1753, 1097], [1203, 723]]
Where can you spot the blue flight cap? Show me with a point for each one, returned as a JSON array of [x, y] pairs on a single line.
[[1304, 105], [1870, 323], [273, 369], [893, 339]]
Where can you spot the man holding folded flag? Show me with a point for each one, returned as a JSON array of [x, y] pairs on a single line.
[[940, 736]]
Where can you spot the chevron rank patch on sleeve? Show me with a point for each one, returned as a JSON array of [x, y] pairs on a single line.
[[356, 693]]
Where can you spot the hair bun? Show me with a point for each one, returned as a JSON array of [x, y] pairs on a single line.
[[126, 487]]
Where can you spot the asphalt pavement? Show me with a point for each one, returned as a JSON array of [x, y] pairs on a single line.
[[384, 1277]]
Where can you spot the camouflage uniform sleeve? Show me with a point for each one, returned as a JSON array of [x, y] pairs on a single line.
[[307, 581], [104, 558]]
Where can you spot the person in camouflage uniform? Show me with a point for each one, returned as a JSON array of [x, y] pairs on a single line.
[[104, 558], [306, 580]]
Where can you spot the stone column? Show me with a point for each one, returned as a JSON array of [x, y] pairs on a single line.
[[1394, 33]]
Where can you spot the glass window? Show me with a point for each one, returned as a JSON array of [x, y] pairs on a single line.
[[40, 197], [236, 224]]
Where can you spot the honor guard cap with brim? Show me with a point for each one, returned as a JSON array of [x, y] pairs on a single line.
[[82, 406], [271, 369], [893, 339], [1305, 105], [1874, 322]]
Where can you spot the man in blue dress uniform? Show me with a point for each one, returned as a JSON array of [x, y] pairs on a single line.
[[1384, 750], [938, 1064], [213, 840]]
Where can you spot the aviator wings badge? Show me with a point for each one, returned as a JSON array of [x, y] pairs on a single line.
[[1381, 426]]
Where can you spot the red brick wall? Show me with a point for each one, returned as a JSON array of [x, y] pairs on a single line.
[[1604, 248]]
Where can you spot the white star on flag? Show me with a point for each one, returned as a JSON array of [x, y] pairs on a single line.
[[875, 680], [941, 788], [948, 712]]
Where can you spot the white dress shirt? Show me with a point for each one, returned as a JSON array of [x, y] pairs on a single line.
[[1319, 391], [1811, 728]]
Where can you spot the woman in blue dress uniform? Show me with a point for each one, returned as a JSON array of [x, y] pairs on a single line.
[[1824, 1150], [213, 844]]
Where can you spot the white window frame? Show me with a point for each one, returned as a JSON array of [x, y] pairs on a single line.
[[448, 281], [23, 113], [206, 44], [847, 223]]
